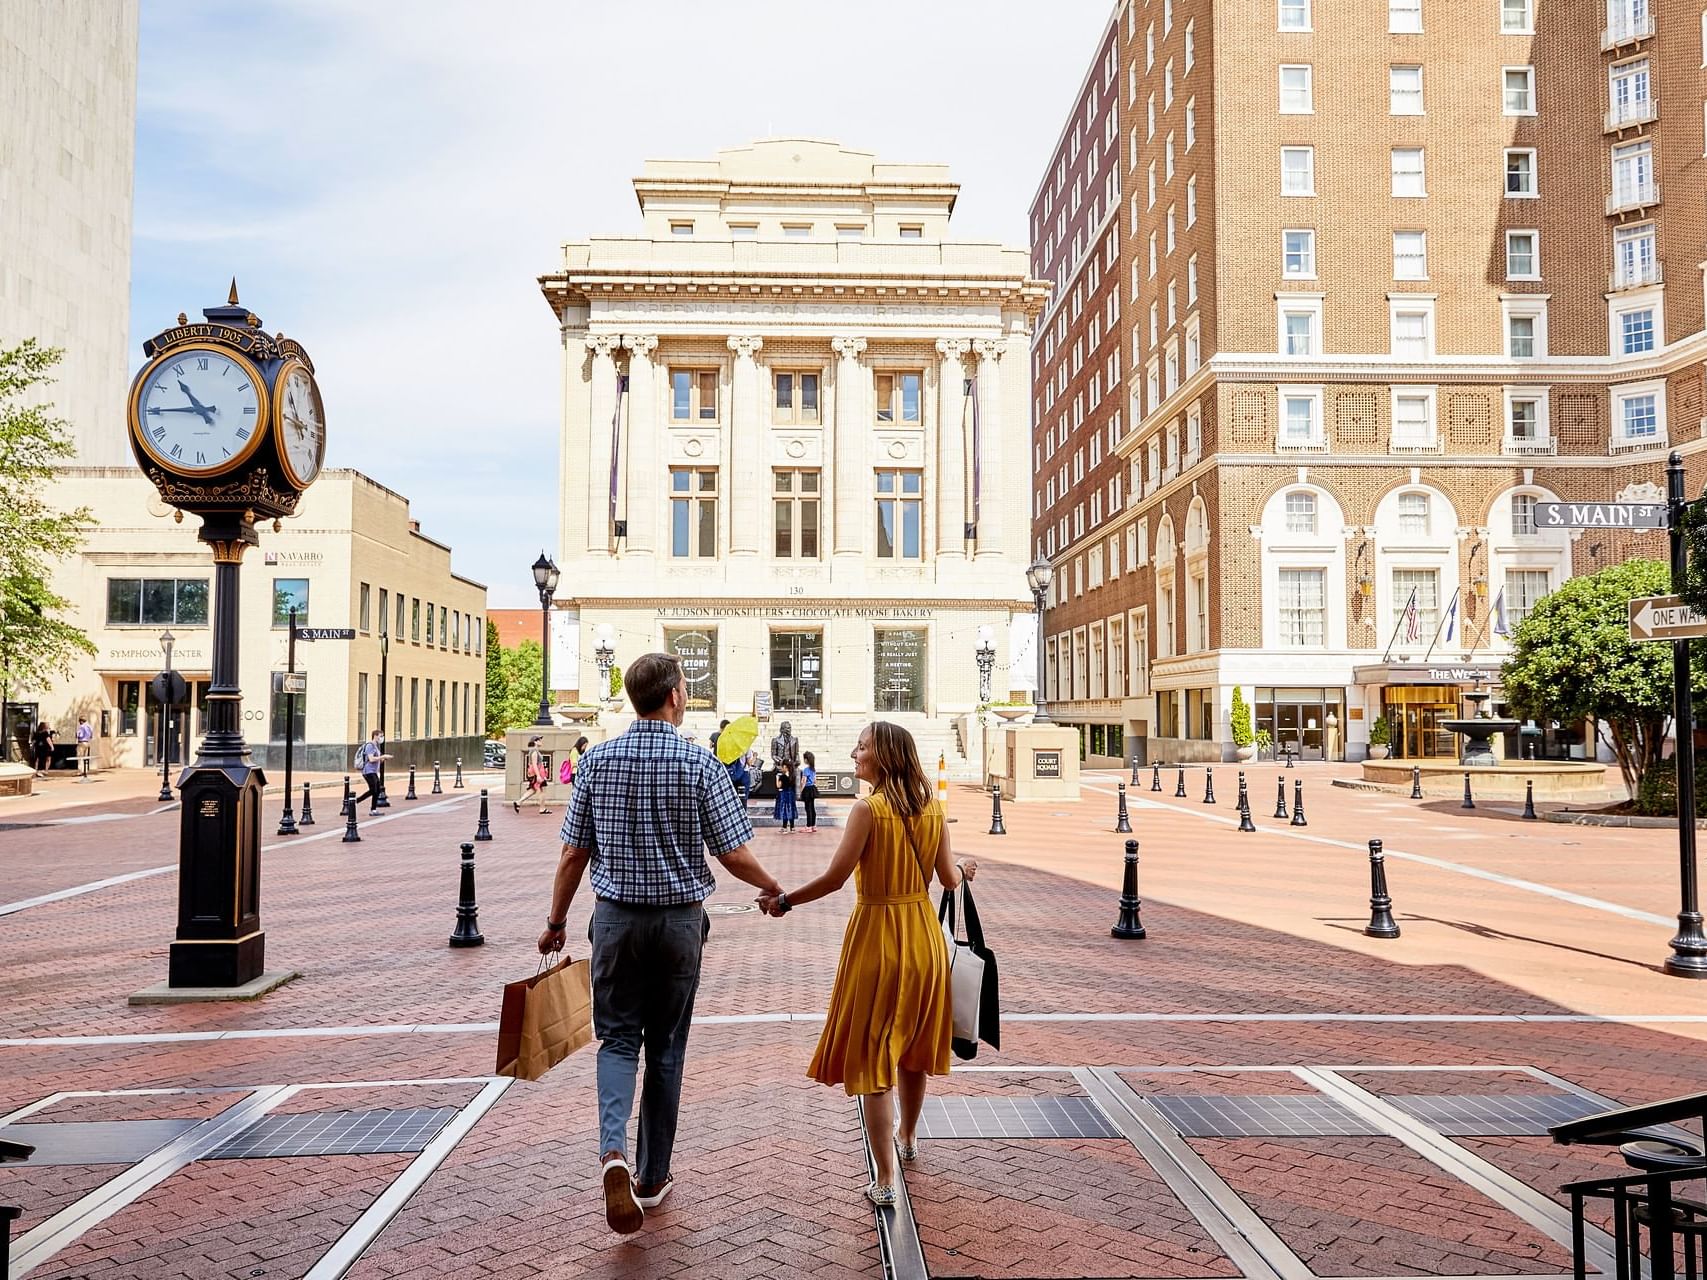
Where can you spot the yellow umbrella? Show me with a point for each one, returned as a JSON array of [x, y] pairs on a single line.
[[733, 742]]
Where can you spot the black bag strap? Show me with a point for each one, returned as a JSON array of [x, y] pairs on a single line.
[[974, 929], [945, 912]]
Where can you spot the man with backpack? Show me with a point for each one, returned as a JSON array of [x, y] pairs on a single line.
[[368, 758]]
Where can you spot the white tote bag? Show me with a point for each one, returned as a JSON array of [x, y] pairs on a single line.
[[965, 984]]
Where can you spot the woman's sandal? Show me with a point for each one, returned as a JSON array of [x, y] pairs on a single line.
[[909, 1150], [882, 1197]]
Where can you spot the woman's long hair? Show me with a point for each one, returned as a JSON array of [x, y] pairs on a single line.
[[900, 776]]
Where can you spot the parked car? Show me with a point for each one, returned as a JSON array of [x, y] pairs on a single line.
[[496, 754]]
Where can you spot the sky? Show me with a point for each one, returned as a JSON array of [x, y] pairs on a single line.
[[387, 182]]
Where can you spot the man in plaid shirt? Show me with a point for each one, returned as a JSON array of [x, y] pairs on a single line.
[[647, 806]]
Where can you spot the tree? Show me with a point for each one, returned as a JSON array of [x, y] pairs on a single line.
[[1239, 719], [497, 684], [520, 679], [35, 645], [1574, 660]]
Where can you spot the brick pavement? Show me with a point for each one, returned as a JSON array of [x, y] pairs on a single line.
[[769, 1164]]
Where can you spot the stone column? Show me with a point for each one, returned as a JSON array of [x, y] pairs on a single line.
[[644, 466], [604, 347], [747, 444], [991, 524], [952, 473], [851, 500]]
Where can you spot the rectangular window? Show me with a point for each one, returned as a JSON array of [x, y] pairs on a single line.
[[1298, 254], [1630, 93], [1523, 515], [1301, 512], [430, 632], [1298, 335], [1517, 17], [1633, 175], [1416, 605], [1300, 417], [1522, 255], [1519, 91], [911, 231], [1404, 17], [284, 710], [147, 602], [1636, 331], [1523, 423], [129, 704], [1520, 337], [414, 619], [397, 631], [693, 513], [795, 507], [1413, 515], [1303, 608], [1408, 171], [384, 612], [361, 705], [1294, 15], [1413, 421], [397, 706], [1297, 171], [1520, 172], [898, 669], [1410, 255], [1640, 416], [681, 228], [1523, 591], [364, 607], [288, 594], [899, 398], [693, 395], [1296, 98], [743, 230], [1405, 91], [796, 230], [796, 400], [845, 232], [1634, 261], [900, 515], [444, 634], [1410, 335]]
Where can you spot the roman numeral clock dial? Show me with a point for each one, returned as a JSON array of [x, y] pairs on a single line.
[[200, 411]]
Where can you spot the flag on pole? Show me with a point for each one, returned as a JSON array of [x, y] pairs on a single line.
[[1413, 624], [616, 441], [977, 451], [1500, 627], [1451, 618]]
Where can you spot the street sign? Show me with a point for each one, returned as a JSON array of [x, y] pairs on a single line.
[[1600, 515], [290, 682], [169, 687], [1665, 618], [325, 633]]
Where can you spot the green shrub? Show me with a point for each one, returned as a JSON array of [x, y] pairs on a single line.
[[1240, 719], [1380, 733], [1656, 797]]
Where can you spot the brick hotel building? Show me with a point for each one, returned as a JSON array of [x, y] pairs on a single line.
[[1341, 290]]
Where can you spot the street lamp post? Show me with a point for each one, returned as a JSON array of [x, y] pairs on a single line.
[[986, 663], [545, 578], [604, 657], [166, 641], [380, 799], [1039, 577]]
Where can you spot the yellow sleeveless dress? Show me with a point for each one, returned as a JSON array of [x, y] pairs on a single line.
[[890, 1006]]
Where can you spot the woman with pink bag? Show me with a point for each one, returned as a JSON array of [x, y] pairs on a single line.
[[535, 775]]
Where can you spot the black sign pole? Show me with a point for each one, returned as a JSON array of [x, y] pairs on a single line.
[[287, 820], [1689, 948]]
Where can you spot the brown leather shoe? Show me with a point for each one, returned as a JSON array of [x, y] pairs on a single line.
[[651, 1194], [622, 1210]]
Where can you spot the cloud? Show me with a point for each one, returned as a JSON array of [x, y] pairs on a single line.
[[387, 184]]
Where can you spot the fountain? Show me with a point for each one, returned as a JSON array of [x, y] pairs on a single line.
[[1477, 732]]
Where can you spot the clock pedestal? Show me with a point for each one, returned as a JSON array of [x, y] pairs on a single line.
[[219, 940]]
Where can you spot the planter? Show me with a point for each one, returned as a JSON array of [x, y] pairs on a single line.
[[577, 714], [1011, 714], [1245, 754], [1379, 750]]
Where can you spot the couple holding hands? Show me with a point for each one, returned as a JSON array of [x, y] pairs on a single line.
[[657, 806]]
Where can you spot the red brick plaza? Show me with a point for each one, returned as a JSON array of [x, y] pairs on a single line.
[[1235, 1095]]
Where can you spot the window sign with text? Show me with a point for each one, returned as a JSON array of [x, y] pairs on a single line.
[[899, 670], [697, 650]]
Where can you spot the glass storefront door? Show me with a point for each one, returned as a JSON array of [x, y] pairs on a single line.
[[1414, 713], [1305, 723], [797, 670]]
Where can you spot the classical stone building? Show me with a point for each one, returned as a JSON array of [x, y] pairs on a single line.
[[1360, 285], [795, 428]]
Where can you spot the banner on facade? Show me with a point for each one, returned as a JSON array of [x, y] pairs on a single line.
[[1022, 655], [565, 648]]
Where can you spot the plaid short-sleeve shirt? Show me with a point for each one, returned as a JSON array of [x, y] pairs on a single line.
[[647, 806]]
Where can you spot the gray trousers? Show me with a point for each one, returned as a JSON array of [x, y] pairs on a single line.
[[645, 977]]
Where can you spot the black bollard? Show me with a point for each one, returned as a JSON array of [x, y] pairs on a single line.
[[1129, 925], [349, 796], [458, 784], [380, 799], [1280, 797], [438, 787], [1469, 803], [307, 818], [1381, 923], [996, 827], [351, 835], [1291, 754], [467, 932], [1416, 783], [1135, 771], [1209, 785], [410, 793], [1529, 799], [1122, 823], [483, 831], [1298, 803], [1156, 776], [1179, 791], [1245, 823]]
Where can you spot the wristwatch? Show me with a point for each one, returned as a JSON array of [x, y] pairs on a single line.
[[557, 926]]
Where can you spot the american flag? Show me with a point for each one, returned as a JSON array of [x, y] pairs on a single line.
[[1413, 624]]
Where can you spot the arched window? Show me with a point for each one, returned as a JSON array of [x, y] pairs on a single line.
[[1413, 514]]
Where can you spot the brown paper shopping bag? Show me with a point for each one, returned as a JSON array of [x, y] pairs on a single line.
[[545, 1019]]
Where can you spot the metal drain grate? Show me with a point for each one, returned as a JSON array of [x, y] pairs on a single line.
[[95, 1141], [1036, 1117], [1258, 1116], [337, 1133], [1470, 1115]]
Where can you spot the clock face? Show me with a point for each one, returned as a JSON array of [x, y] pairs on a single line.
[[199, 410], [302, 425]]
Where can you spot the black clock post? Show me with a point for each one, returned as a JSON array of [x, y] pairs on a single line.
[[226, 421]]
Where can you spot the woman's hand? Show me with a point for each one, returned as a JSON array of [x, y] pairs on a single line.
[[968, 869]]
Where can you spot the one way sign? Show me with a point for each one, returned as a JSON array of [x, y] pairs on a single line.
[[1665, 618]]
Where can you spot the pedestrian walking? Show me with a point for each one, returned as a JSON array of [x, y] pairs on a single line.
[[651, 808], [890, 1018], [571, 761], [809, 792], [41, 748], [785, 810], [535, 775], [368, 759]]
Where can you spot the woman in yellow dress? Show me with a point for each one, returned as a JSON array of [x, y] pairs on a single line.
[[890, 1019]]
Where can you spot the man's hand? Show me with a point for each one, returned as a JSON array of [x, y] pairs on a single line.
[[551, 940]]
